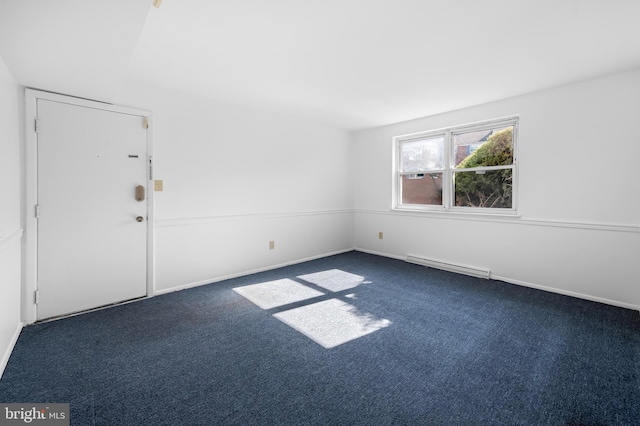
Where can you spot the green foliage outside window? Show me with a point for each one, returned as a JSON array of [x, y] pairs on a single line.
[[490, 188]]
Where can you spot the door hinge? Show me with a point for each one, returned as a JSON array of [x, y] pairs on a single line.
[[36, 126], [145, 122], [37, 211], [36, 297], [150, 169]]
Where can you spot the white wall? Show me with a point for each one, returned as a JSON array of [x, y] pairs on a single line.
[[10, 230], [578, 230], [236, 178]]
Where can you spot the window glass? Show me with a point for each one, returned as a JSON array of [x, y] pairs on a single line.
[[422, 188], [422, 155], [492, 147], [486, 188], [467, 168]]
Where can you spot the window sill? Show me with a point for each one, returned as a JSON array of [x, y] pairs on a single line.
[[456, 213]]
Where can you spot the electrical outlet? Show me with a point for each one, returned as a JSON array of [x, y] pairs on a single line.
[[272, 245], [380, 235]]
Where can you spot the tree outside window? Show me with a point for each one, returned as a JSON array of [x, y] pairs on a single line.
[[467, 168]]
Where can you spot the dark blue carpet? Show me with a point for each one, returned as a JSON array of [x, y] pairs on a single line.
[[458, 351]]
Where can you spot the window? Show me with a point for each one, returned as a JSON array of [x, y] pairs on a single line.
[[465, 168]]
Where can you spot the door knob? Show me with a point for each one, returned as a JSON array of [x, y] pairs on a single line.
[[139, 218]]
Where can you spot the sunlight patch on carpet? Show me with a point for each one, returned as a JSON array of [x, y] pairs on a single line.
[[334, 279], [332, 322], [273, 294]]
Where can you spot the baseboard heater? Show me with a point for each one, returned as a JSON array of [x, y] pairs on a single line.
[[451, 267]]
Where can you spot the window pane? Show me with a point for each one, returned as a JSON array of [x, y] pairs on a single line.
[[488, 189], [491, 147], [422, 188], [423, 154]]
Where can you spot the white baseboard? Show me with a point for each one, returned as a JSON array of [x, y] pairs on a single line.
[[249, 272], [379, 253], [532, 285], [9, 349], [568, 293]]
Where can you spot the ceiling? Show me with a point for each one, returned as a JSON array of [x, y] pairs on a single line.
[[351, 64], [77, 47]]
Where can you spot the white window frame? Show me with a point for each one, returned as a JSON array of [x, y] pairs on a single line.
[[448, 197]]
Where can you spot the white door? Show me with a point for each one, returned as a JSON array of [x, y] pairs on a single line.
[[92, 232]]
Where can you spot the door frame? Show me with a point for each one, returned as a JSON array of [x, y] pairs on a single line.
[[30, 194]]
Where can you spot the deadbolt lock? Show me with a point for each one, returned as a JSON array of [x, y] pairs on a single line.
[[139, 193], [139, 218]]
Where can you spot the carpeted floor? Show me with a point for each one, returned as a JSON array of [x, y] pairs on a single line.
[[352, 339]]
